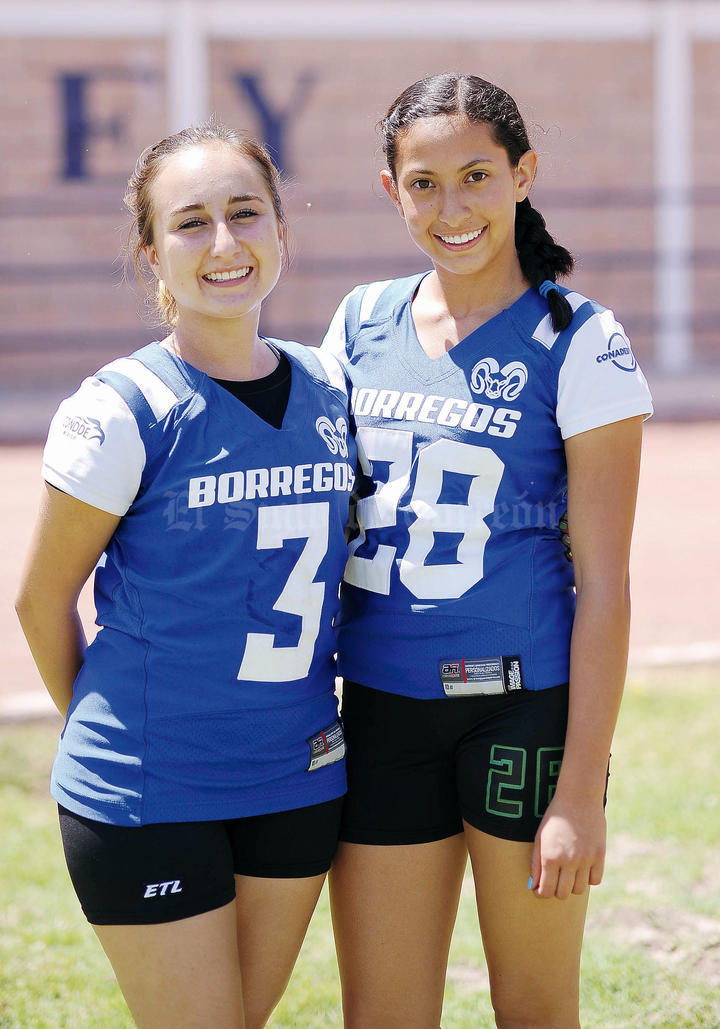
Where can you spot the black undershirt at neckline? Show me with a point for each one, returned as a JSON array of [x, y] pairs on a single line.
[[267, 397]]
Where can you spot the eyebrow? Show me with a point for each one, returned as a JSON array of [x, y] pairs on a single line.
[[470, 164], [200, 206]]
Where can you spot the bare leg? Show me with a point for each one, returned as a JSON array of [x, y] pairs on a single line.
[[179, 975], [532, 945], [393, 914], [272, 919]]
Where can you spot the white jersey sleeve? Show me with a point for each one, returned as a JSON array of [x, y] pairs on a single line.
[[94, 451], [335, 339], [353, 310], [600, 381], [333, 370]]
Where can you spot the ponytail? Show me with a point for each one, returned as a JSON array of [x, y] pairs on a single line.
[[542, 260], [165, 304]]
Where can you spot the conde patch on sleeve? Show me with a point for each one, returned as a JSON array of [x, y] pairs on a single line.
[[81, 427], [619, 353]]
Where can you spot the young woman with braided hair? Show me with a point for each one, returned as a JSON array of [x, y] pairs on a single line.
[[483, 670]]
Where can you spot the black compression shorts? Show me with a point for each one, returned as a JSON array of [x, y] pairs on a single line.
[[144, 875], [417, 768]]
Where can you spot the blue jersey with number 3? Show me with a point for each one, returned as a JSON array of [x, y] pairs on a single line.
[[209, 691], [458, 562]]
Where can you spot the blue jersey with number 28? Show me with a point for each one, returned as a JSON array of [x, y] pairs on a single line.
[[457, 561]]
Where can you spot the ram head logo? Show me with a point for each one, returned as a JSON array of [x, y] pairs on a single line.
[[495, 382], [334, 435]]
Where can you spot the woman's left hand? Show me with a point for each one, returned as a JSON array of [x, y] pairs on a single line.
[[569, 851]]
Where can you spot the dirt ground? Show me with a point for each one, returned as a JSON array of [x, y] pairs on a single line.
[[675, 562]]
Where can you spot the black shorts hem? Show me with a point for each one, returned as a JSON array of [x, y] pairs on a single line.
[[200, 907], [496, 832], [398, 837], [286, 871]]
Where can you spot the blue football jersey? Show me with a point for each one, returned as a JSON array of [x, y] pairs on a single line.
[[209, 690], [458, 581]]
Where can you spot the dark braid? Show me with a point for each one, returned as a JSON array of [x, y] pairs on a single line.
[[542, 259]]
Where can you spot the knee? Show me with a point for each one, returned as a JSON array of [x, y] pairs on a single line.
[[511, 1013], [365, 1015]]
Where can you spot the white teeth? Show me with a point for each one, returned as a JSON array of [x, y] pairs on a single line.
[[236, 273], [464, 238]]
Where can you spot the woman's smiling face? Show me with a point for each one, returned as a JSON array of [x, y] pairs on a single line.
[[457, 191], [216, 239]]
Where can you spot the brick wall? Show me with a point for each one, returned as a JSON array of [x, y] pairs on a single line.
[[588, 106]]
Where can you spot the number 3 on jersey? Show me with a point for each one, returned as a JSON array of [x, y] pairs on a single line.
[[302, 596], [426, 582]]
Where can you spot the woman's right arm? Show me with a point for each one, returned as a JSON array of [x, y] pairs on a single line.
[[68, 540]]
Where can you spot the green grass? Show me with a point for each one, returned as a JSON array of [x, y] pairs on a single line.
[[652, 950]]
